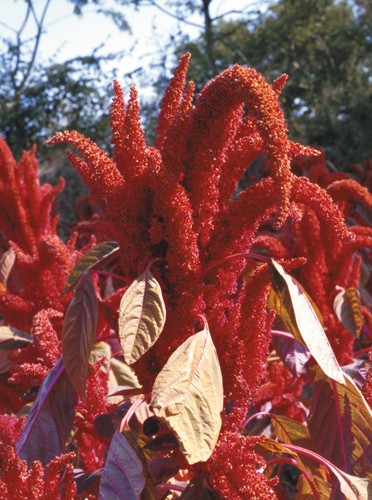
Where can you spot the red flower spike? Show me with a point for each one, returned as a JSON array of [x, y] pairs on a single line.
[[117, 121], [234, 469], [246, 147], [279, 83], [183, 252], [174, 146], [38, 483], [219, 99], [172, 100], [104, 176], [322, 204], [348, 190], [133, 160]]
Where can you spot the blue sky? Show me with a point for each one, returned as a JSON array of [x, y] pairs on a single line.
[[68, 36]]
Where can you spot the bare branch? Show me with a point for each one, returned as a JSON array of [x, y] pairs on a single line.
[[40, 24]]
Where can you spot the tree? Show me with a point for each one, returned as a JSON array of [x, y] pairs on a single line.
[[324, 46]]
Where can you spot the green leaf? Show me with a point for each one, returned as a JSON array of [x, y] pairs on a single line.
[[141, 316], [299, 316], [97, 256], [78, 334], [188, 396]]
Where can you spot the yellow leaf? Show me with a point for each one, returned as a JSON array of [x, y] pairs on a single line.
[[141, 316], [97, 256], [6, 265], [299, 315], [348, 309], [188, 396]]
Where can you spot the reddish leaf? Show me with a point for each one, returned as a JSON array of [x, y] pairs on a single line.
[[161, 469], [50, 420], [293, 354], [85, 479], [340, 423], [123, 473], [79, 330], [6, 266], [97, 256], [12, 338]]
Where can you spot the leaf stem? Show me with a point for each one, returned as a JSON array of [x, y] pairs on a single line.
[[172, 487], [249, 255], [112, 275], [131, 411]]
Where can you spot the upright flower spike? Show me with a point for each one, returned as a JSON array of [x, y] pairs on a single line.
[[174, 146], [117, 122], [133, 161], [172, 100]]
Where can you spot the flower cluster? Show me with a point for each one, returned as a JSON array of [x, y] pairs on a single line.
[[177, 205]]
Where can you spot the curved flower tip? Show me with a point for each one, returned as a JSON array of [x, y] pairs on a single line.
[[321, 202], [350, 190], [104, 176], [219, 98]]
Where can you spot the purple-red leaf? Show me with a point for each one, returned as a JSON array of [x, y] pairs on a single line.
[[50, 420], [97, 256], [161, 469], [79, 330], [293, 354], [123, 473], [340, 424]]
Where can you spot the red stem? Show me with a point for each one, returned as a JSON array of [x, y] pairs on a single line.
[[266, 414], [339, 421], [172, 487], [362, 351], [131, 412], [279, 333], [291, 461]]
